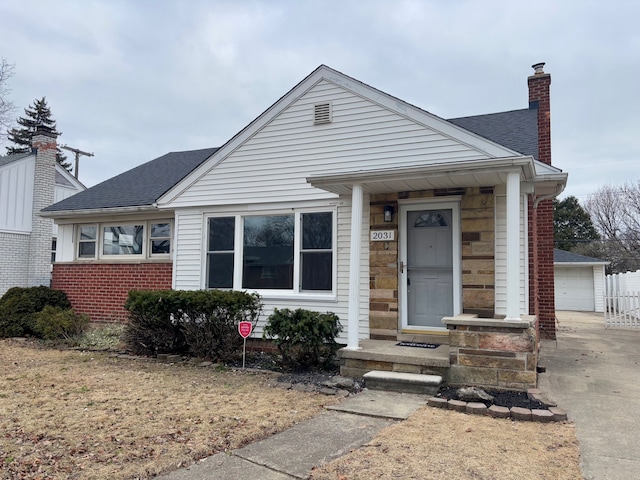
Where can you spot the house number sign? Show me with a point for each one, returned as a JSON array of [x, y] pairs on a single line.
[[383, 235]]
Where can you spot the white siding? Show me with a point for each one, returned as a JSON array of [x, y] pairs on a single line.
[[16, 195], [189, 260], [190, 264], [501, 255], [65, 247], [273, 165], [60, 193]]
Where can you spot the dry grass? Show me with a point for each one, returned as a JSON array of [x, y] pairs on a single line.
[[72, 415], [441, 444]]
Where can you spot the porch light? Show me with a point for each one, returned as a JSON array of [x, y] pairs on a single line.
[[388, 213]]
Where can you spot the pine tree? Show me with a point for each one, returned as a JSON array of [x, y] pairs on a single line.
[[37, 114], [572, 225]]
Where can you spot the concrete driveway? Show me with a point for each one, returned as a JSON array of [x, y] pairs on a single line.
[[594, 374]]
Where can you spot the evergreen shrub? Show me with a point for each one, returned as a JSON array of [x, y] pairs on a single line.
[[54, 323], [305, 339], [19, 307], [203, 323]]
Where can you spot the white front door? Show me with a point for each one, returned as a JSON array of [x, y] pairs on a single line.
[[428, 262]]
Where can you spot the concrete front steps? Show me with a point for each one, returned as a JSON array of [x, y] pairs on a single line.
[[402, 382], [386, 355]]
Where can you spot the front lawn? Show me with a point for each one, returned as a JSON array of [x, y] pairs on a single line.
[[86, 415]]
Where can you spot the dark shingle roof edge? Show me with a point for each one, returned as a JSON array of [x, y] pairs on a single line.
[[562, 256], [515, 129], [6, 160], [140, 186]]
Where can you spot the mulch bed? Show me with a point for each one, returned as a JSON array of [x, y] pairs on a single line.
[[502, 398]]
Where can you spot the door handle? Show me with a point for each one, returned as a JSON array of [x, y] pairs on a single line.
[[401, 267]]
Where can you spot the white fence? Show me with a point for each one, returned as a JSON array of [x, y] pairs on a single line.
[[622, 300]]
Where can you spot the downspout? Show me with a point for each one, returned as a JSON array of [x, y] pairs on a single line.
[[548, 196]]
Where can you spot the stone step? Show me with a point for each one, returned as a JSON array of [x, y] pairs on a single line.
[[402, 382]]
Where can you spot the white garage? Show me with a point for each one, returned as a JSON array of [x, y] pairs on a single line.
[[579, 282]]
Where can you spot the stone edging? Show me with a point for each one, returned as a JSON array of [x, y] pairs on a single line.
[[550, 414]]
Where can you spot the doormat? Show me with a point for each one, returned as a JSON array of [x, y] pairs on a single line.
[[418, 344]]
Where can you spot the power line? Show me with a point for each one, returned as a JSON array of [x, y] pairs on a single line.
[[77, 153]]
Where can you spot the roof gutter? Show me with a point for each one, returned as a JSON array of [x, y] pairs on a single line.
[[98, 211], [437, 168]]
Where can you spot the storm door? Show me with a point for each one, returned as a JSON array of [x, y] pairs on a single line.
[[427, 267]]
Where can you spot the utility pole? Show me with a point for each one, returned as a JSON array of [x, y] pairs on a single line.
[[77, 153]]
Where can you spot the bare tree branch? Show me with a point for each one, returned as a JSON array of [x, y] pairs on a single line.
[[6, 107], [615, 212]]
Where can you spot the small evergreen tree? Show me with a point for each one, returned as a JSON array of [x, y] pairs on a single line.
[[572, 225], [37, 114]]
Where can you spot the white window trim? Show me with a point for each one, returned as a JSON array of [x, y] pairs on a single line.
[[238, 244], [146, 241]]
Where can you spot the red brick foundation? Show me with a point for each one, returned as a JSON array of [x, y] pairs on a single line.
[[100, 290]]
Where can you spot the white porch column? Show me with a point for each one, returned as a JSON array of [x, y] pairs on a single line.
[[354, 267], [513, 246]]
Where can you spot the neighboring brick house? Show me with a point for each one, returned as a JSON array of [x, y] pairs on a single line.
[[339, 197], [30, 182]]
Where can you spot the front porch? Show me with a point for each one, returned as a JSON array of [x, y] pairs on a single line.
[[487, 352]]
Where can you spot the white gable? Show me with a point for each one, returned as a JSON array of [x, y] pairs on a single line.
[[271, 159]]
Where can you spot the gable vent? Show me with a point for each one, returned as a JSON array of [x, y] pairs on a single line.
[[321, 113]]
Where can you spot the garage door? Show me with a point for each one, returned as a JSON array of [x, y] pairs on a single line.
[[574, 289]]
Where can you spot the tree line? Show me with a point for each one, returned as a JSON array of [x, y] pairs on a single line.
[[607, 227]]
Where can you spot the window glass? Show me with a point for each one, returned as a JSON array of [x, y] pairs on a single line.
[[54, 243], [87, 242], [430, 219], [316, 253], [268, 243], [220, 255], [123, 240], [160, 238]]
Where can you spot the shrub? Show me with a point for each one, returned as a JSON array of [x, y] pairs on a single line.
[[210, 318], [54, 323], [19, 306], [304, 338], [151, 328], [202, 322]]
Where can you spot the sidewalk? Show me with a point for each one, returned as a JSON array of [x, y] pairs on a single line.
[[294, 452], [594, 374]]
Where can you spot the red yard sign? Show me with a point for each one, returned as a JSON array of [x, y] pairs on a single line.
[[245, 329]]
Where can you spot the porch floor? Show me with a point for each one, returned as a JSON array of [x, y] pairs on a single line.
[[388, 356]]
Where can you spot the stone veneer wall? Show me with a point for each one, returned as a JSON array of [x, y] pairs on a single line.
[[478, 273], [492, 353]]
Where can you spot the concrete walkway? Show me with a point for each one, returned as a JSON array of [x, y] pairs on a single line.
[[594, 374], [294, 452]]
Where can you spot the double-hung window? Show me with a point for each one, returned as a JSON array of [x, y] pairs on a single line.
[[285, 252]]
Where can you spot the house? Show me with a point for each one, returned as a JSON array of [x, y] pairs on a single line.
[[28, 183], [579, 282], [342, 198]]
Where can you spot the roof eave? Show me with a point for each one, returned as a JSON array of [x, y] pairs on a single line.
[[82, 213]]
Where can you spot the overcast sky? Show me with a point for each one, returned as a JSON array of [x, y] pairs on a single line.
[[132, 80]]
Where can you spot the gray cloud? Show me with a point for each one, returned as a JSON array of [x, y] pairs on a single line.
[[133, 80]]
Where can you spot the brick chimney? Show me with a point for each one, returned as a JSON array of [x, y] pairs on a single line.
[[44, 146], [539, 99], [541, 272]]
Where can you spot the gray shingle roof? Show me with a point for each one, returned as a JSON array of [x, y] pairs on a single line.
[[13, 158], [142, 185], [562, 256], [517, 129]]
